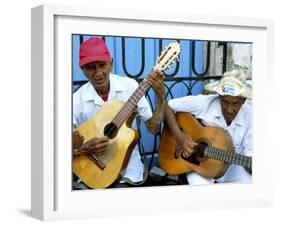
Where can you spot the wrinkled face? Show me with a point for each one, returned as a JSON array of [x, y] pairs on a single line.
[[98, 73], [230, 106]]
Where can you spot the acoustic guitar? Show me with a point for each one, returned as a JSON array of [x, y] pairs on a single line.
[[212, 155], [114, 121]]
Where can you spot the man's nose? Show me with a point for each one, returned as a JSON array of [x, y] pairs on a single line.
[[229, 109], [98, 70]]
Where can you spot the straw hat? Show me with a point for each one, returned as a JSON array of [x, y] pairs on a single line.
[[233, 83]]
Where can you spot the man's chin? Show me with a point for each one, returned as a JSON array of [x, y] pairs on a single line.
[[98, 84], [100, 87], [229, 119]]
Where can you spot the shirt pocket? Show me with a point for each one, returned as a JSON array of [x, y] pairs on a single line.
[[238, 149], [236, 134], [237, 141]]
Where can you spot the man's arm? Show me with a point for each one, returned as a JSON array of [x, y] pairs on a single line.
[[247, 143], [185, 141], [154, 122], [155, 80], [171, 121]]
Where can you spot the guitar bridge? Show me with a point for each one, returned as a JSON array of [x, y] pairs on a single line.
[[97, 161]]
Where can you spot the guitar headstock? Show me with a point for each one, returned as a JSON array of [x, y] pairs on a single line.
[[168, 56]]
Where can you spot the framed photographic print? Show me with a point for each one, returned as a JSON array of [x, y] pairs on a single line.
[[209, 46]]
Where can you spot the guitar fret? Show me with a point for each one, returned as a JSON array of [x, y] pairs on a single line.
[[239, 159], [121, 116], [228, 156], [130, 104], [244, 160], [223, 155], [232, 154], [235, 159], [125, 111], [116, 121], [213, 153], [209, 152], [133, 100], [247, 162], [217, 154], [250, 163], [205, 152]]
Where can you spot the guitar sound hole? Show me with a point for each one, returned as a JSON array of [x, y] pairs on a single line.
[[200, 149], [110, 130]]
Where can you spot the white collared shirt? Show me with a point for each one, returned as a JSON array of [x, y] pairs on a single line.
[[86, 103], [208, 109]]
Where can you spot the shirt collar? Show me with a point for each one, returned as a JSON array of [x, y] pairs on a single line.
[[115, 85], [241, 117], [238, 120], [92, 95]]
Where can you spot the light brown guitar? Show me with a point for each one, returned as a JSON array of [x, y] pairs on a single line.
[[114, 121], [211, 157]]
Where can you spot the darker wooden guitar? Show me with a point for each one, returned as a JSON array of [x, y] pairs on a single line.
[[211, 157]]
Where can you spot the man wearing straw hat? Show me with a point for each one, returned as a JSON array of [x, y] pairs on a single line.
[[228, 106]]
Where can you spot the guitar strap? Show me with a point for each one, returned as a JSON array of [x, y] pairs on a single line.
[[145, 173]]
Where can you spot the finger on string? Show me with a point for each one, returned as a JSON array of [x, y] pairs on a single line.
[[101, 145]]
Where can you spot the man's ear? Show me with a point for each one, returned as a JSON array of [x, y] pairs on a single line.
[[111, 64]]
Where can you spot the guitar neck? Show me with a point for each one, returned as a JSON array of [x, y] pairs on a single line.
[[129, 106], [167, 57], [228, 156]]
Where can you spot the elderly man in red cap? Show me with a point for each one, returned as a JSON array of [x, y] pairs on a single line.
[[228, 105], [96, 64]]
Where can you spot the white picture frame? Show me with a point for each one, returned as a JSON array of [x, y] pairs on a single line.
[[52, 197]]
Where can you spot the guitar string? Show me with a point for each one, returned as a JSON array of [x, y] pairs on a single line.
[[128, 107], [236, 157], [133, 100]]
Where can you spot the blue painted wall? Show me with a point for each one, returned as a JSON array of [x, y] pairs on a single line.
[[133, 65]]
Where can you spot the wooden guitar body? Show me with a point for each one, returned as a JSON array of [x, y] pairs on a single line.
[[173, 162], [117, 154]]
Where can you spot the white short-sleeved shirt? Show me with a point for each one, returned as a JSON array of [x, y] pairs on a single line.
[[86, 103], [208, 109]]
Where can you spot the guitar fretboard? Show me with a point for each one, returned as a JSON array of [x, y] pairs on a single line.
[[228, 156], [129, 106]]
